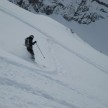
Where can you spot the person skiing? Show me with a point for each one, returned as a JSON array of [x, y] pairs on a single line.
[[29, 44]]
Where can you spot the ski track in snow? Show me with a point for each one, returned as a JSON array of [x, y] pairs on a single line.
[[55, 41], [27, 88], [42, 73], [35, 72], [5, 81]]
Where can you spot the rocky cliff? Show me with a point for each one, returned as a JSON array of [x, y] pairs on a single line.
[[81, 11]]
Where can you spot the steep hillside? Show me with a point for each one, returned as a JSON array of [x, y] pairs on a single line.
[[87, 18], [67, 77]]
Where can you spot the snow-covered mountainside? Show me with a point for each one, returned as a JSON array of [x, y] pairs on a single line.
[[82, 11], [66, 78], [87, 18]]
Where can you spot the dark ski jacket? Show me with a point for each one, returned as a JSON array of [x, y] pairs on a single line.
[[29, 42]]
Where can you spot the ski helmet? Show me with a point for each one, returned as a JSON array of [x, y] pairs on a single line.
[[31, 36]]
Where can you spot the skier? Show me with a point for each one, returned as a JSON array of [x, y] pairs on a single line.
[[29, 45]]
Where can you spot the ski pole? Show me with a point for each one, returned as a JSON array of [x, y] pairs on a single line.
[[40, 50]]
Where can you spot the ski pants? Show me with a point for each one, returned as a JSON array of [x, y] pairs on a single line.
[[30, 50]]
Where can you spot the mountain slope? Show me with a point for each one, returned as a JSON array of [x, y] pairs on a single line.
[[87, 18], [71, 78]]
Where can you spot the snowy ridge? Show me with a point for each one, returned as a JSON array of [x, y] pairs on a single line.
[[75, 75]]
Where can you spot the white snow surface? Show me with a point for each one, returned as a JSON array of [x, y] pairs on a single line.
[[72, 75]]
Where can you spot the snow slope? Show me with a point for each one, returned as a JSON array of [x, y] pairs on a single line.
[[95, 34], [72, 75], [87, 18]]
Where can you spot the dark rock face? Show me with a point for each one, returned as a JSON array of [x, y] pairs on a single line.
[[82, 11]]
